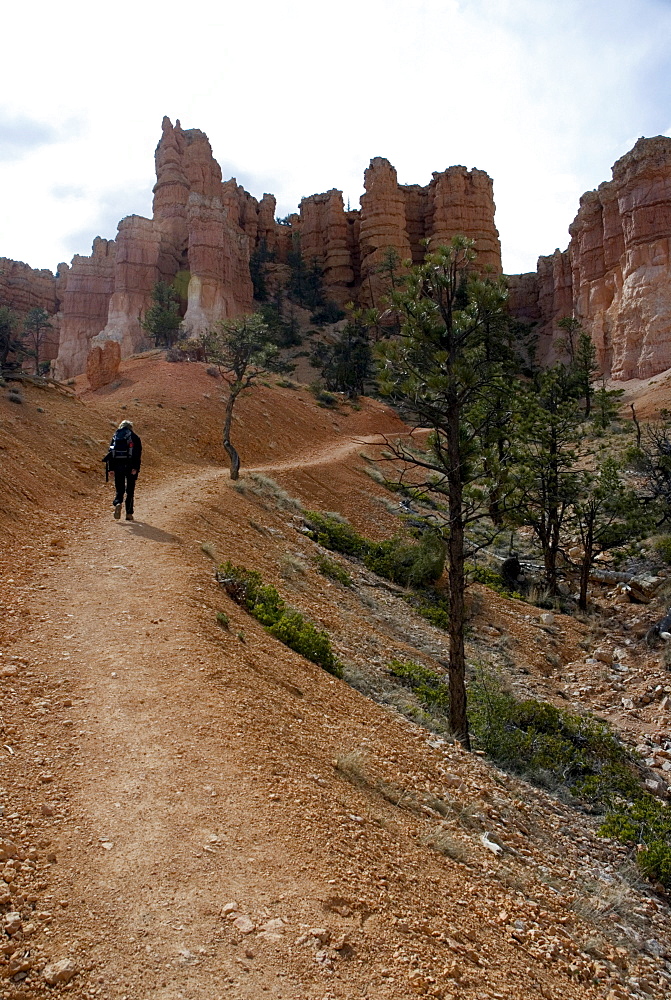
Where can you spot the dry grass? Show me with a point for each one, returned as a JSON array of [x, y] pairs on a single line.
[[443, 841], [267, 490], [291, 567]]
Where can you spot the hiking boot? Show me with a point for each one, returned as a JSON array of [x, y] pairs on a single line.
[[117, 511], [129, 517]]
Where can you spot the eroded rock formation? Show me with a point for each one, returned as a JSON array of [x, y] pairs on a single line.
[[102, 363], [23, 288], [200, 227], [615, 276], [89, 284], [203, 231]]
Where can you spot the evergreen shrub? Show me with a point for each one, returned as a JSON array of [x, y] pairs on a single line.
[[264, 603]]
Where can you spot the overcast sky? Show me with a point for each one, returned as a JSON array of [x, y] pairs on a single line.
[[296, 97]]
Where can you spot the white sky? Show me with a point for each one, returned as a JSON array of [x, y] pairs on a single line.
[[296, 97]]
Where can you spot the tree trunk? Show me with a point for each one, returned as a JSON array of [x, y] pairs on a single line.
[[586, 566], [550, 564], [232, 453], [456, 584]]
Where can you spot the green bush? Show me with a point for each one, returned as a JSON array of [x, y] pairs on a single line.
[[550, 745], [663, 548], [264, 603], [490, 578], [223, 619], [407, 562], [302, 636], [426, 684], [324, 397], [336, 534], [438, 614], [332, 569]]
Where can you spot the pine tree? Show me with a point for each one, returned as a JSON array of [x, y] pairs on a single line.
[[242, 351], [36, 327], [162, 319], [442, 376], [606, 513], [547, 480]]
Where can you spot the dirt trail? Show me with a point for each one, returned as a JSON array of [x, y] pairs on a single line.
[[322, 456], [166, 822], [181, 767]]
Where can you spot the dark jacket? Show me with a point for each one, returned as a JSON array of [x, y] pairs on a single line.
[[136, 457]]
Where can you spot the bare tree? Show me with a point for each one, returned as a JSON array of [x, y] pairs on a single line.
[[242, 351]]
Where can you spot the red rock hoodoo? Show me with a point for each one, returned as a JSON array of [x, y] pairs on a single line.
[[615, 276], [206, 229]]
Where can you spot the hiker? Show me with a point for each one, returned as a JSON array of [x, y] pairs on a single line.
[[124, 457]]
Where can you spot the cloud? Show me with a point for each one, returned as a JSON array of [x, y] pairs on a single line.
[[107, 208], [21, 135]]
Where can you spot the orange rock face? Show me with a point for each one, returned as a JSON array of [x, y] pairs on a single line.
[[615, 276], [22, 288], [206, 229], [89, 284], [102, 363], [351, 246], [323, 229], [199, 226]]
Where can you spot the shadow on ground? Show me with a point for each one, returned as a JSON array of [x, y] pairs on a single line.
[[144, 530]]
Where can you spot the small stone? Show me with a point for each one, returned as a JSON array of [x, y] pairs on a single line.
[[229, 908], [548, 618], [11, 922], [59, 972], [604, 655], [274, 926], [46, 809], [321, 933], [243, 924], [8, 849]]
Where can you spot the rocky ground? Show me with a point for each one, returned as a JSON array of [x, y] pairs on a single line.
[[191, 811]]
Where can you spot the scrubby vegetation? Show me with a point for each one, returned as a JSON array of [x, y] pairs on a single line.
[[332, 569], [574, 756], [407, 562], [264, 603]]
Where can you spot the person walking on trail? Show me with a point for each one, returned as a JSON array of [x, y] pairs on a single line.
[[124, 458]]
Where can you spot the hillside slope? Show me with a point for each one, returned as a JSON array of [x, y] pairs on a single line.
[[199, 812]]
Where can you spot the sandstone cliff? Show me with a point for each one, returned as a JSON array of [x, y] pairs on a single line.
[[200, 226], [206, 228], [351, 246], [23, 288], [615, 276]]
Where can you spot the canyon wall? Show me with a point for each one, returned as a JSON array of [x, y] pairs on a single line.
[[203, 231], [200, 227], [352, 246], [615, 276], [23, 288]]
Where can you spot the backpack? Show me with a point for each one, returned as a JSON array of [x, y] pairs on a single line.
[[122, 445]]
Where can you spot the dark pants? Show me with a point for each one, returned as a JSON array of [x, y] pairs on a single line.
[[124, 482]]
